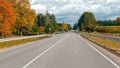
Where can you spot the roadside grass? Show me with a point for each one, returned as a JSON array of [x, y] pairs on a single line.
[[21, 41], [108, 29], [107, 34], [111, 44]]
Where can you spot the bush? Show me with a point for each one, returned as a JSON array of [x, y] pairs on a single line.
[[89, 29], [41, 30]]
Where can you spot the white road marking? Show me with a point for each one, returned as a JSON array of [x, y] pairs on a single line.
[[117, 66], [43, 53]]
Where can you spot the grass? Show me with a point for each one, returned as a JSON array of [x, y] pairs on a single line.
[[111, 44], [108, 29], [18, 42]]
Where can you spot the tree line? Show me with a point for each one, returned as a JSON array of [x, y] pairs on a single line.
[[87, 22], [17, 18], [48, 24], [107, 22]]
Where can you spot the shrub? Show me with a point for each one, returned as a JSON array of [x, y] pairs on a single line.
[[41, 30]]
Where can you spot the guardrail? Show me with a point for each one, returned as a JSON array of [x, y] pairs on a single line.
[[18, 38], [109, 41], [8, 42]]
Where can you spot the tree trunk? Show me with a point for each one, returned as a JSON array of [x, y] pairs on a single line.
[[80, 29], [20, 33], [2, 35]]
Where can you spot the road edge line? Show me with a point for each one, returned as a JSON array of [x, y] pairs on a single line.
[[117, 66]]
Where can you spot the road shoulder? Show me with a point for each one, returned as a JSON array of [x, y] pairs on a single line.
[[110, 54]]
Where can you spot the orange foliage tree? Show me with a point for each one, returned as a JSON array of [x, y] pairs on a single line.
[[7, 18]]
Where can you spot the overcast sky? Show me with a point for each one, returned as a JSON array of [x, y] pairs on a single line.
[[70, 10]]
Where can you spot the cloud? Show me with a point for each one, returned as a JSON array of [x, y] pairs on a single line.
[[71, 10]]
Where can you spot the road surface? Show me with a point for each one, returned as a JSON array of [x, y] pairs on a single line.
[[67, 50]]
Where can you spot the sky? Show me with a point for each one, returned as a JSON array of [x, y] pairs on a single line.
[[71, 10]]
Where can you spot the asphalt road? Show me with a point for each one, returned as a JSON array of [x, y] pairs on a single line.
[[67, 50]]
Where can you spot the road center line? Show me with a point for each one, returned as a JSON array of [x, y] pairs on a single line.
[[43, 53], [117, 66]]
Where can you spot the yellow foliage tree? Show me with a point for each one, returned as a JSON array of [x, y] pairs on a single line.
[[25, 15], [64, 26], [41, 30]]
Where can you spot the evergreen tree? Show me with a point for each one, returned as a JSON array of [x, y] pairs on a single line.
[[41, 20], [107, 22], [75, 26]]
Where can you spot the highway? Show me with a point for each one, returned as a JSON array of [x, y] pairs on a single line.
[[66, 50]]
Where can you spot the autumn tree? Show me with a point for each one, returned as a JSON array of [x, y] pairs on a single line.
[[41, 30], [118, 21], [64, 26], [25, 16], [7, 18]]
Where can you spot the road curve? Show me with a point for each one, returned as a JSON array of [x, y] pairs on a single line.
[[67, 50]]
